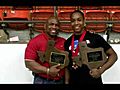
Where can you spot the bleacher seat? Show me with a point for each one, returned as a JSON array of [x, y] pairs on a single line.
[[21, 15], [41, 13], [97, 15], [110, 7], [66, 27], [96, 27], [1, 17], [64, 15], [64, 12], [116, 17], [90, 7]]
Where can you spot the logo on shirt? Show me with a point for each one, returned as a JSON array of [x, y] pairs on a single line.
[[75, 44]]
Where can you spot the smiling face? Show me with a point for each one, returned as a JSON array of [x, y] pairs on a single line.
[[77, 22], [52, 26]]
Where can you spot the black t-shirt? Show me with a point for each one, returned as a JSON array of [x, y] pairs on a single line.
[[95, 41], [81, 75]]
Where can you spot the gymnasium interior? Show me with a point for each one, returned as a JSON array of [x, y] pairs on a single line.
[[19, 24]]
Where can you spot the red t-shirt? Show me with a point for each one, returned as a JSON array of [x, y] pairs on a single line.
[[39, 43]]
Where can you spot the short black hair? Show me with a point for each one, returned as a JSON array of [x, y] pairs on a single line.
[[77, 11], [54, 18]]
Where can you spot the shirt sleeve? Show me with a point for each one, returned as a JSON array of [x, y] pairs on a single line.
[[31, 51], [67, 44], [102, 43]]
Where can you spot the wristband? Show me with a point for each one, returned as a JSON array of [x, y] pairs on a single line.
[[48, 70]]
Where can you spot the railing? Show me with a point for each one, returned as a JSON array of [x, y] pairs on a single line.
[[36, 21], [31, 24]]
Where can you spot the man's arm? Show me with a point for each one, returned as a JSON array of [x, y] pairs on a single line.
[[35, 67], [67, 76]]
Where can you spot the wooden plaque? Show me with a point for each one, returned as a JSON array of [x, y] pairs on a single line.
[[92, 57], [59, 58], [54, 56]]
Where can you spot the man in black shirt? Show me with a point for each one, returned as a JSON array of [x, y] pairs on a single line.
[[84, 75]]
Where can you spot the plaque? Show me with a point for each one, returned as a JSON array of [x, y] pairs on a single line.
[[41, 56], [54, 56], [92, 57], [57, 58]]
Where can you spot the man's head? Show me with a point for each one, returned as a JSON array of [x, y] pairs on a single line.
[[77, 21], [52, 26]]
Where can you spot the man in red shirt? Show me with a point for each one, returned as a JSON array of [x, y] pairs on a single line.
[[44, 73]]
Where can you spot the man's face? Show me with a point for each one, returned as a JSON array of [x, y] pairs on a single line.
[[52, 27], [77, 22]]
